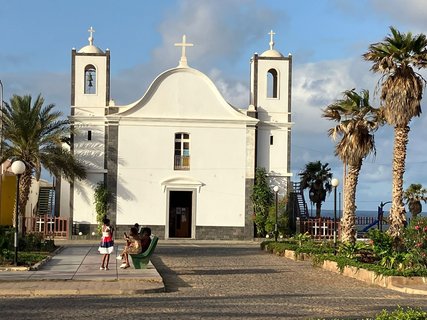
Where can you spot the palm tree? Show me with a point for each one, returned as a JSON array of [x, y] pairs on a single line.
[[401, 93], [357, 121], [317, 178], [35, 134], [413, 197]]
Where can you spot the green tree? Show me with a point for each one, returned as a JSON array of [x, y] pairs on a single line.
[[262, 199], [401, 92], [413, 197], [35, 134], [317, 178], [102, 201], [357, 121], [282, 218]]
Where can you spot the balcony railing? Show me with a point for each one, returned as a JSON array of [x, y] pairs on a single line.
[[182, 163]]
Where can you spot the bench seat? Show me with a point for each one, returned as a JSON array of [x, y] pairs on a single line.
[[140, 260]]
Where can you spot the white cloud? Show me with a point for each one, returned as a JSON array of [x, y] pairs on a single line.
[[411, 12], [219, 32]]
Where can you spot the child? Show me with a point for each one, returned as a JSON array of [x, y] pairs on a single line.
[[107, 244]]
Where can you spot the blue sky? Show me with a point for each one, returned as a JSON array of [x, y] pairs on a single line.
[[326, 39]]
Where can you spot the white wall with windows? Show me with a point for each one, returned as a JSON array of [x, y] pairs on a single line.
[[217, 162]]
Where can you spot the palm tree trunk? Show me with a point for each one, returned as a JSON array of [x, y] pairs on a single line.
[[348, 222], [24, 192], [397, 211]]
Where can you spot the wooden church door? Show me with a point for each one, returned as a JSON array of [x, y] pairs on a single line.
[[180, 214]]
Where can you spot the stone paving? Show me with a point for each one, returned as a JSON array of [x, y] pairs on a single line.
[[222, 281], [75, 270]]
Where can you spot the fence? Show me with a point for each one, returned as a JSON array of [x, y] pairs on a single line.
[[322, 228], [49, 226]]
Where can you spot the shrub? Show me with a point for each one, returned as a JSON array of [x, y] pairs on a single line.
[[282, 219], [402, 314], [415, 241]]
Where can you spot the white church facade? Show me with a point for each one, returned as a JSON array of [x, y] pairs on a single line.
[[181, 159]]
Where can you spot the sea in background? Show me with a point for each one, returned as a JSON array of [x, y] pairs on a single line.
[[361, 213]]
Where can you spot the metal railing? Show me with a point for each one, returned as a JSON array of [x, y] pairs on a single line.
[[182, 163]]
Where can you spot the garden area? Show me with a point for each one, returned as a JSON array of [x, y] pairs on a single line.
[[32, 248], [379, 253]]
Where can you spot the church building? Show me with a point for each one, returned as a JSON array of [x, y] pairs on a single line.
[[180, 160]]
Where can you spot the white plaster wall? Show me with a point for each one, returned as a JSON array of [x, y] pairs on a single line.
[[91, 153], [217, 159], [84, 207], [273, 157]]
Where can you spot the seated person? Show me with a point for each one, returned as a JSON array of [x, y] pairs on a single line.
[[145, 238], [138, 227], [133, 246]]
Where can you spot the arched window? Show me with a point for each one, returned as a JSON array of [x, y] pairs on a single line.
[[272, 83], [182, 151], [90, 79]]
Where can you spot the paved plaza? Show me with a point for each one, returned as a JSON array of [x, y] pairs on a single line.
[[202, 280]]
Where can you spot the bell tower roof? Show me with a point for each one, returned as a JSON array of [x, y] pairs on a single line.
[[272, 53], [90, 48]]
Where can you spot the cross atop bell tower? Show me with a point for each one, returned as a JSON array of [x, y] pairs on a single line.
[[271, 43], [91, 32]]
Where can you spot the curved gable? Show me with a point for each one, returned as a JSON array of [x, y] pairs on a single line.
[[184, 93]]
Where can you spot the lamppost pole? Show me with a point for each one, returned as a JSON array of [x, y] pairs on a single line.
[[335, 182], [276, 190], [18, 168], [311, 194]]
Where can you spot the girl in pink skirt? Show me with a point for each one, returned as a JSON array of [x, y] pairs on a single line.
[[107, 243]]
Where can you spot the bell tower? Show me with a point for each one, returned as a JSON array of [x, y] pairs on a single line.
[[271, 96], [90, 104], [90, 80]]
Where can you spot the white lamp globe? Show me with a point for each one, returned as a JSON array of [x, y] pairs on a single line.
[[18, 167], [335, 182], [276, 188]]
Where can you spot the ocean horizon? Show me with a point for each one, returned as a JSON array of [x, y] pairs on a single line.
[[361, 213]]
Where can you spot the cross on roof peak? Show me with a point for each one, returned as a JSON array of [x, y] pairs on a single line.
[[91, 32], [271, 43], [183, 45]]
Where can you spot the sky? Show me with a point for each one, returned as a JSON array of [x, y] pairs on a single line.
[[325, 37]]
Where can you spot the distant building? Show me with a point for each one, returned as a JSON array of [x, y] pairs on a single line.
[[181, 159], [35, 204]]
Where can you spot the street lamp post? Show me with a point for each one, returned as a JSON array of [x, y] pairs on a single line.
[[311, 203], [276, 190], [381, 214], [335, 182], [18, 168]]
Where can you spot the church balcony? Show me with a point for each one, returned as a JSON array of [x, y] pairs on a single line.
[[182, 163]]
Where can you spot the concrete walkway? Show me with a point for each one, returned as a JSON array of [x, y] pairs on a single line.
[[75, 270]]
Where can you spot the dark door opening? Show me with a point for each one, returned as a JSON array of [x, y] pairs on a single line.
[[180, 205]]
